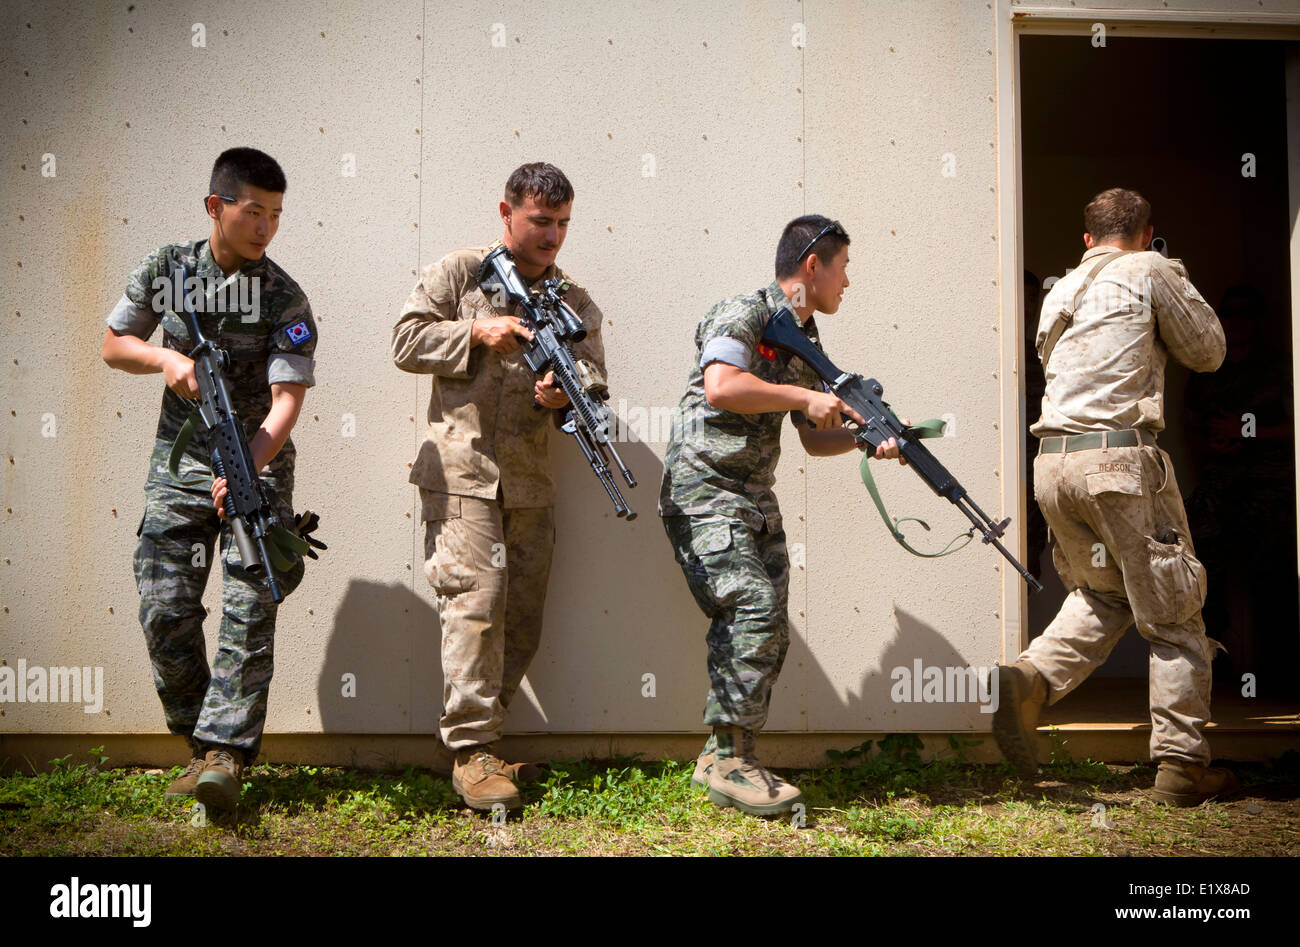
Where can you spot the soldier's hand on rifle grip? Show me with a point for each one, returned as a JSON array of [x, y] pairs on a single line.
[[499, 333], [547, 395], [178, 373], [824, 410], [219, 492]]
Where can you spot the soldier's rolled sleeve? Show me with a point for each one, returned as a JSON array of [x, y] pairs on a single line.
[[731, 351], [293, 345], [1188, 326], [429, 339], [129, 319], [738, 322]]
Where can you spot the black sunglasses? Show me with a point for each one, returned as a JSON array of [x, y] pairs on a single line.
[[228, 200], [832, 227]]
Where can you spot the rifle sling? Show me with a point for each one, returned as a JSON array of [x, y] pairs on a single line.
[[1065, 317], [930, 428]]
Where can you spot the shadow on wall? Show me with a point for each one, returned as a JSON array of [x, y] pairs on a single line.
[[917, 686], [382, 672]]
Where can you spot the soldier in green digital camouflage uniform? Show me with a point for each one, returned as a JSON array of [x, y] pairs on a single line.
[[252, 309], [717, 502]]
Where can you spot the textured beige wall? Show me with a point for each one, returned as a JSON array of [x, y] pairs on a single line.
[[743, 130]]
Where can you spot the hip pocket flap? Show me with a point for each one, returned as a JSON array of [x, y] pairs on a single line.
[[438, 506], [710, 538], [1114, 478]]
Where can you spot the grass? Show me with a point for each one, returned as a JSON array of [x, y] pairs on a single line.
[[869, 800]]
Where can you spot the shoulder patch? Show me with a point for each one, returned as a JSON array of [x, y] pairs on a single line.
[[298, 333]]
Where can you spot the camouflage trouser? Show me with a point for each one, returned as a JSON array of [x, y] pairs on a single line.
[[490, 567], [740, 578], [226, 704], [1107, 510]]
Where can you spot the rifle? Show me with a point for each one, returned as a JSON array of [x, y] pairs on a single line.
[[264, 545], [554, 327], [1161, 246], [863, 396]]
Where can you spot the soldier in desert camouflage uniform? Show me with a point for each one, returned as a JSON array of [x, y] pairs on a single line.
[[486, 493], [717, 502], [261, 317], [1110, 497]]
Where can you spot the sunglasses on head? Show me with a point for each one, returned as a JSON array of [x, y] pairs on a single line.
[[832, 227]]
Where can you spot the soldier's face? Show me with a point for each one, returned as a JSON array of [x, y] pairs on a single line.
[[828, 282], [535, 232], [248, 225]]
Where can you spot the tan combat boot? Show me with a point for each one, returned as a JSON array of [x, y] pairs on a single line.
[[703, 766], [183, 785], [1179, 783], [223, 775], [742, 782], [1022, 691], [482, 779]]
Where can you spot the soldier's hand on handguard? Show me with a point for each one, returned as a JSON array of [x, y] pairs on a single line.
[[888, 450], [500, 333], [178, 373], [547, 395], [219, 492], [824, 410]]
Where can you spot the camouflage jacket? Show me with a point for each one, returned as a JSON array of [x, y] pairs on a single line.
[[719, 461], [259, 315], [1107, 372], [482, 432]]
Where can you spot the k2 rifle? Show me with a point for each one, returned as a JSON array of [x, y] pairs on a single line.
[[555, 326], [864, 397], [264, 544]]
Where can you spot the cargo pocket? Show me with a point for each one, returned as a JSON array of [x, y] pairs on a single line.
[[1174, 589], [448, 559], [710, 543]]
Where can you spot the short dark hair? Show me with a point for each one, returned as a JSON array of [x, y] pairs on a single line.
[[1117, 212], [237, 167], [543, 181], [790, 250]]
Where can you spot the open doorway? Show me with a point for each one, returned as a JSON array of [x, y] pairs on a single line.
[[1199, 128]]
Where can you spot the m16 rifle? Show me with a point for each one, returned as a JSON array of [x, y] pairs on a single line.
[[555, 326], [864, 397]]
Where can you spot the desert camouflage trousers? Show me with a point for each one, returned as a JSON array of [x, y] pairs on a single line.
[[489, 567], [1124, 552], [740, 577], [224, 703]]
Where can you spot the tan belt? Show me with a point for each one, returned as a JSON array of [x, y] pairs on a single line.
[[1068, 445]]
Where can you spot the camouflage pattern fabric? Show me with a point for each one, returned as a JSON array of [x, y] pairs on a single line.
[[740, 578], [489, 566], [276, 346], [271, 339], [1107, 372], [1108, 509], [225, 704], [482, 432], [1122, 544], [718, 461]]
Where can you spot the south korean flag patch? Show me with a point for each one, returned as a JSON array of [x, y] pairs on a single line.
[[298, 333]]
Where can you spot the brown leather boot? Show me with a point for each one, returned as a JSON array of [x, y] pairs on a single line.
[[741, 781], [223, 774], [1179, 783], [184, 784], [1022, 691], [482, 779]]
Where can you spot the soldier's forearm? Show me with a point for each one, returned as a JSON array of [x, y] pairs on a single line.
[[286, 404], [432, 348], [133, 355]]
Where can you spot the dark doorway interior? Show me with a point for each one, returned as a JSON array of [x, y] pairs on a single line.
[[1179, 121]]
